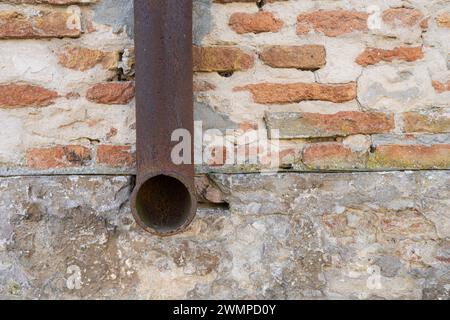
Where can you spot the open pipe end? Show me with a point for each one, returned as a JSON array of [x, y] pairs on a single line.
[[163, 205]]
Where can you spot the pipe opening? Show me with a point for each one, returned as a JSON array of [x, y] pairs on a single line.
[[163, 205]]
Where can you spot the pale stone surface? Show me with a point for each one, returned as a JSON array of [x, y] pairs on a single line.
[[400, 88], [360, 235]]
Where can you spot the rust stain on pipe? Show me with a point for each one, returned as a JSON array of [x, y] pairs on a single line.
[[163, 201]]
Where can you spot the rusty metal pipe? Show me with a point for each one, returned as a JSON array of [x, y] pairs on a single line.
[[163, 201]]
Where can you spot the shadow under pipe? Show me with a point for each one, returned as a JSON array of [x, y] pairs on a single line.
[[163, 201]]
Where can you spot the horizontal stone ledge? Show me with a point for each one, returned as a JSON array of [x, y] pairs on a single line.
[[227, 188], [202, 170]]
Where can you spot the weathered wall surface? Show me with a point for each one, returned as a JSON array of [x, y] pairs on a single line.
[[349, 85], [342, 235]]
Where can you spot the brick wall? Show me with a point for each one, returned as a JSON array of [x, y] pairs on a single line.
[[66, 90], [347, 85]]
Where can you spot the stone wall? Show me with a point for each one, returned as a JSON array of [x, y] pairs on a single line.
[[291, 235], [358, 205]]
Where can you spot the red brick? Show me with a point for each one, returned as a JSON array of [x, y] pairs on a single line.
[[441, 87], [115, 156], [259, 22], [54, 1], [47, 24], [111, 93], [332, 23], [25, 95], [373, 55], [82, 59], [221, 59], [403, 17], [58, 157], [306, 57], [333, 156]]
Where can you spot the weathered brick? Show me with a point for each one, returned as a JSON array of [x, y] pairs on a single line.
[[306, 57], [46, 24], [254, 1], [443, 20], [332, 23], [441, 87], [411, 157], [58, 2], [404, 17], [374, 55], [333, 156], [335, 23], [115, 156], [278, 93], [79, 58], [111, 93], [221, 59], [25, 95], [58, 157], [309, 125], [259, 22], [433, 122]]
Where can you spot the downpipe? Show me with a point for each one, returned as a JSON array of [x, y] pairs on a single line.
[[163, 201]]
